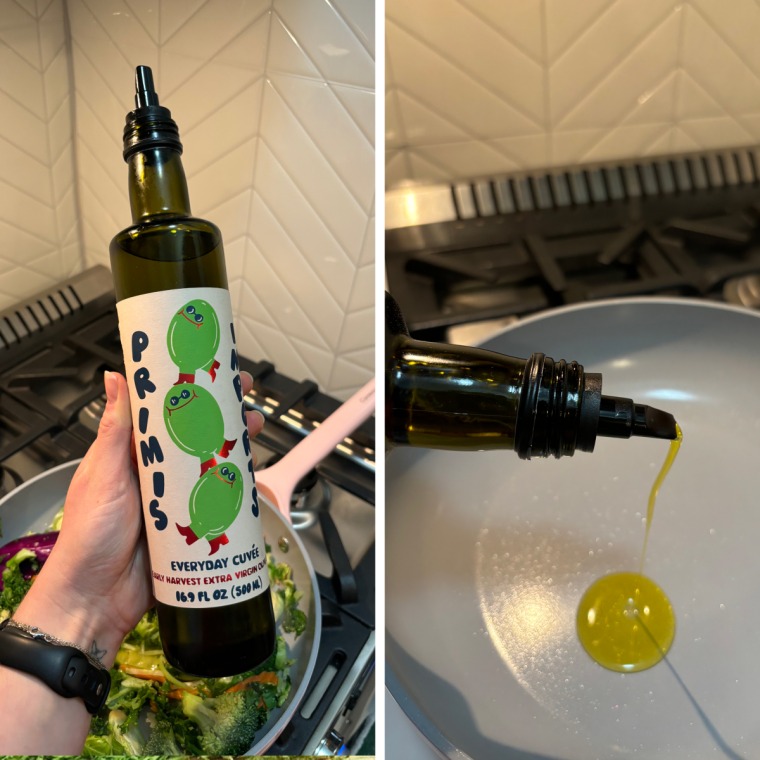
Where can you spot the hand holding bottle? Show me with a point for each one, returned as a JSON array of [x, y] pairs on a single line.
[[96, 584], [94, 587]]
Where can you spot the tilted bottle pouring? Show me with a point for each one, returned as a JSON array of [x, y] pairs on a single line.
[[457, 397]]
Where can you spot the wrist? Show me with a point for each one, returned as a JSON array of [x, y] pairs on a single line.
[[70, 618]]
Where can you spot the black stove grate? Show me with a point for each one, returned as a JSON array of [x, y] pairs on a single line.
[[681, 225]]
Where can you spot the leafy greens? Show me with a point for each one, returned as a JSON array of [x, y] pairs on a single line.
[[151, 708]]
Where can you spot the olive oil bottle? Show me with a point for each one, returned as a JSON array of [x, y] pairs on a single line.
[[457, 397], [201, 509]]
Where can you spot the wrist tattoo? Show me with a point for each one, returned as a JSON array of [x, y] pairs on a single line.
[[96, 653]]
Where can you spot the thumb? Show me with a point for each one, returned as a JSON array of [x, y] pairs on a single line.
[[116, 424]]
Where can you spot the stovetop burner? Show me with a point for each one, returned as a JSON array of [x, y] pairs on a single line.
[[510, 246]]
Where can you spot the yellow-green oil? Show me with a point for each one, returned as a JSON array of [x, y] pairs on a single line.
[[625, 621]]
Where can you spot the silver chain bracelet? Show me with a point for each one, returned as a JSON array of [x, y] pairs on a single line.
[[36, 633]]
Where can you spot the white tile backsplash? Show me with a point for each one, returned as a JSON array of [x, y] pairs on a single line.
[[338, 52], [275, 104], [39, 231], [475, 87]]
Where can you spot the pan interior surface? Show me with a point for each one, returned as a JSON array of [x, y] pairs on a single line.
[[488, 556]]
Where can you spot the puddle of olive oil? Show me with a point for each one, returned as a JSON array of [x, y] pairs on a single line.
[[625, 621]]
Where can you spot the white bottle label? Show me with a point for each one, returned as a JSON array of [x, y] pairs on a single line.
[[194, 456]]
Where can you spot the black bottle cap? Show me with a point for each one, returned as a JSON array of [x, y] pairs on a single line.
[[150, 125], [562, 409], [558, 410]]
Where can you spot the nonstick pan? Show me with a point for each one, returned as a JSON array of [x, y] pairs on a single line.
[[487, 556]]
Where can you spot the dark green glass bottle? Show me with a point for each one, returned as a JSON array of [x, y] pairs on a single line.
[[458, 397], [168, 254]]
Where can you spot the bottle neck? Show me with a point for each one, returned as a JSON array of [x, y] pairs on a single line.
[[457, 397], [450, 397], [460, 397], [157, 185]]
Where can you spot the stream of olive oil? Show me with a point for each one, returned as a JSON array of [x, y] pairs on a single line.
[[625, 621]]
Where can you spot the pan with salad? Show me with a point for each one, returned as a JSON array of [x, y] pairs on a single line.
[[153, 709]]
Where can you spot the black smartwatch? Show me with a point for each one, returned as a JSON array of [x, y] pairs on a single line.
[[66, 669]]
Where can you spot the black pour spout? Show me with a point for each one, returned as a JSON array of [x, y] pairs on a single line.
[[145, 92], [149, 125], [622, 418]]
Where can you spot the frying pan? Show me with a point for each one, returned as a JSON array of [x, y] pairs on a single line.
[[487, 556], [31, 507]]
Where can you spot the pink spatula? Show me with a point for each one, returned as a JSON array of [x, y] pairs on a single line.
[[276, 483]]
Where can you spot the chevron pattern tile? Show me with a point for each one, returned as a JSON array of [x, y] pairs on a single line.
[[39, 231], [275, 102], [475, 87]]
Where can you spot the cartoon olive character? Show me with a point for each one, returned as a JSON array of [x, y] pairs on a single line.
[[195, 423], [193, 340], [215, 502]]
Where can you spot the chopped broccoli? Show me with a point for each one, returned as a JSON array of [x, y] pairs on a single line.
[[99, 724], [129, 694], [145, 633], [126, 731], [15, 585], [161, 740], [285, 598], [281, 655], [227, 723]]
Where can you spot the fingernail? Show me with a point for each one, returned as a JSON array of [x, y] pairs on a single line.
[[247, 374], [260, 416], [112, 387]]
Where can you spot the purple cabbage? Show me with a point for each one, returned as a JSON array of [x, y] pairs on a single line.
[[39, 543]]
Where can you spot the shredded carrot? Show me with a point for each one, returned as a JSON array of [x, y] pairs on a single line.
[[177, 693], [147, 675], [267, 677]]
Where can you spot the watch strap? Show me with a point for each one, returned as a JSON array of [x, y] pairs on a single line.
[[65, 669]]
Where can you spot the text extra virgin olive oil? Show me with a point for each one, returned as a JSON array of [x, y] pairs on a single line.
[[207, 551]]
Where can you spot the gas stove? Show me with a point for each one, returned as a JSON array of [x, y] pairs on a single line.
[[494, 249], [54, 349]]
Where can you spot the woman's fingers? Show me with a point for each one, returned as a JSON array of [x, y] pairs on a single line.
[[254, 417]]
